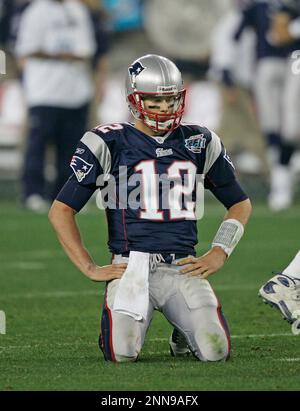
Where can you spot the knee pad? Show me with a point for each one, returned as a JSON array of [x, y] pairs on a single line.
[[126, 353], [213, 345], [124, 358], [130, 355]]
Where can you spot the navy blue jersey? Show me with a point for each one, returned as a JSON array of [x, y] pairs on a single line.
[[140, 217], [258, 14]]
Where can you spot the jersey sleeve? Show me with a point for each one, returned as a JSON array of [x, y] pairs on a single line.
[[246, 20], [220, 176], [91, 166]]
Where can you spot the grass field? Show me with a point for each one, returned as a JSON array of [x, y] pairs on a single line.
[[53, 313]]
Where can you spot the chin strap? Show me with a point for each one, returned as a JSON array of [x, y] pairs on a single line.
[[165, 125]]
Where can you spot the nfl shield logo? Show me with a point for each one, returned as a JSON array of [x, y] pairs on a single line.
[[195, 143], [80, 167]]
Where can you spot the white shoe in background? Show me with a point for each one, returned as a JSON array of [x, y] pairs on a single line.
[[36, 203], [282, 188]]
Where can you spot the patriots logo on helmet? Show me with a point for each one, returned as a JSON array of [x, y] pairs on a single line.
[[195, 143], [136, 69], [80, 167]]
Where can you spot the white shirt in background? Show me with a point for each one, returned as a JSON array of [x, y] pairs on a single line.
[[52, 27]]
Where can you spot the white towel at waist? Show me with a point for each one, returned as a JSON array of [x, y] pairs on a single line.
[[132, 296]]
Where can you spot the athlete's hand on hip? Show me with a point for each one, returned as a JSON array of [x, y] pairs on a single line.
[[205, 265], [107, 272]]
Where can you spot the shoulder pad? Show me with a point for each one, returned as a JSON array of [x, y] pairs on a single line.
[[195, 128], [108, 129]]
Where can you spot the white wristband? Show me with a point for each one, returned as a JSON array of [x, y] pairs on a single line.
[[228, 235]]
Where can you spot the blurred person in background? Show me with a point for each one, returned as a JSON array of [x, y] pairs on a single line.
[[270, 69], [232, 65], [127, 40], [55, 46], [12, 106], [187, 40], [286, 32], [283, 290], [194, 38], [276, 88], [102, 32]]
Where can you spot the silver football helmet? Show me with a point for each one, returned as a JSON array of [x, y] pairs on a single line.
[[154, 75]]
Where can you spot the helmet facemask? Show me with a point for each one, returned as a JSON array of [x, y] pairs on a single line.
[[158, 122]]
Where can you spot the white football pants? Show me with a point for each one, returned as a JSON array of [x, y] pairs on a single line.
[[187, 302], [277, 94]]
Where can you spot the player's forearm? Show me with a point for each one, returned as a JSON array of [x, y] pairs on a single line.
[[240, 211], [227, 237], [63, 221], [232, 228]]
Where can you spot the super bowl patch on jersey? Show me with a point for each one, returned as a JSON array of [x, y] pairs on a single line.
[[80, 167], [195, 143]]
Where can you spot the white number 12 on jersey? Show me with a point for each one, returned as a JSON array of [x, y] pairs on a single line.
[[175, 195]]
